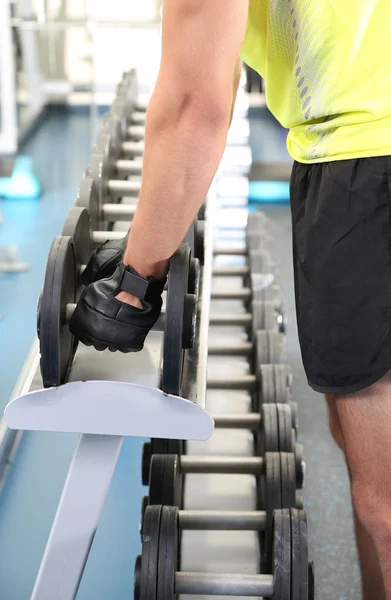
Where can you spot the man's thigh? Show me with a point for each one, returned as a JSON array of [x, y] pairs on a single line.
[[365, 419]]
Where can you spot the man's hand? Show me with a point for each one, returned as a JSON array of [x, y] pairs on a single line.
[[186, 125]]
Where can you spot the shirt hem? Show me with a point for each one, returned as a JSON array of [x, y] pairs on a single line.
[[340, 157]]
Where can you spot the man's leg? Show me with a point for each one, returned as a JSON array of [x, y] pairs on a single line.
[[371, 575]]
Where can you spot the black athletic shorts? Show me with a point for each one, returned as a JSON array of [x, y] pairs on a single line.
[[341, 216]]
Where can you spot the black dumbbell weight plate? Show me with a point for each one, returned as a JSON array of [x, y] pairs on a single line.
[[163, 446], [267, 385], [284, 427], [276, 347], [87, 197], [311, 581], [57, 344], [299, 465], [158, 446], [147, 576], [270, 500], [78, 226], [299, 554], [194, 277], [270, 485], [282, 553], [190, 238], [146, 456], [281, 378], [100, 172], [269, 440], [264, 316], [274, 383], [168, 561], [165, 480], [137, 578], [189, 321], [295, 417], [200, 241], [288, 480], [144, 504], [178, 279], [114, 127], [201, 212]]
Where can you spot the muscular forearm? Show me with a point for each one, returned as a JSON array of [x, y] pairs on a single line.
[[184, 143]]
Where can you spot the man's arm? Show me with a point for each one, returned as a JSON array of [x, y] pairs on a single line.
[[186, 126], [237, 76]]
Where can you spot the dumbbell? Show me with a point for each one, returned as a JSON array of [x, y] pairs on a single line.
[[157, 575], [270, 384], [78, 223], [276, 475], [276, 485], [274, 427], [61, 290]]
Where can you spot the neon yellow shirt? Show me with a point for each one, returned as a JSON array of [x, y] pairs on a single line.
[[327, 71]]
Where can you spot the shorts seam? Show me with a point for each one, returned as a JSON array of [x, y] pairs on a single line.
[[351, 389]]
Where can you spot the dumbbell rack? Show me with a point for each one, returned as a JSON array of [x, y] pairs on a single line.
[[29, 412]]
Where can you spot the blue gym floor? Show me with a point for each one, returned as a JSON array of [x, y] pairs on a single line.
[[60, 150]]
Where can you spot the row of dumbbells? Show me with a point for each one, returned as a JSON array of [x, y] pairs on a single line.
[[278, 470], [277, 464]]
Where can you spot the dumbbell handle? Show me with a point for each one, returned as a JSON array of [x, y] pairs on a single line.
[[231, 271], [238, 294], [222, 520], [136, 132], [249, 465], [118, 212], [238, 349], [221, 584], [119, 188], [138, 117], [133, 148], [227, 319], [243, 382], [128, 167], [219, 520], [231, 250], [237, 421]]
